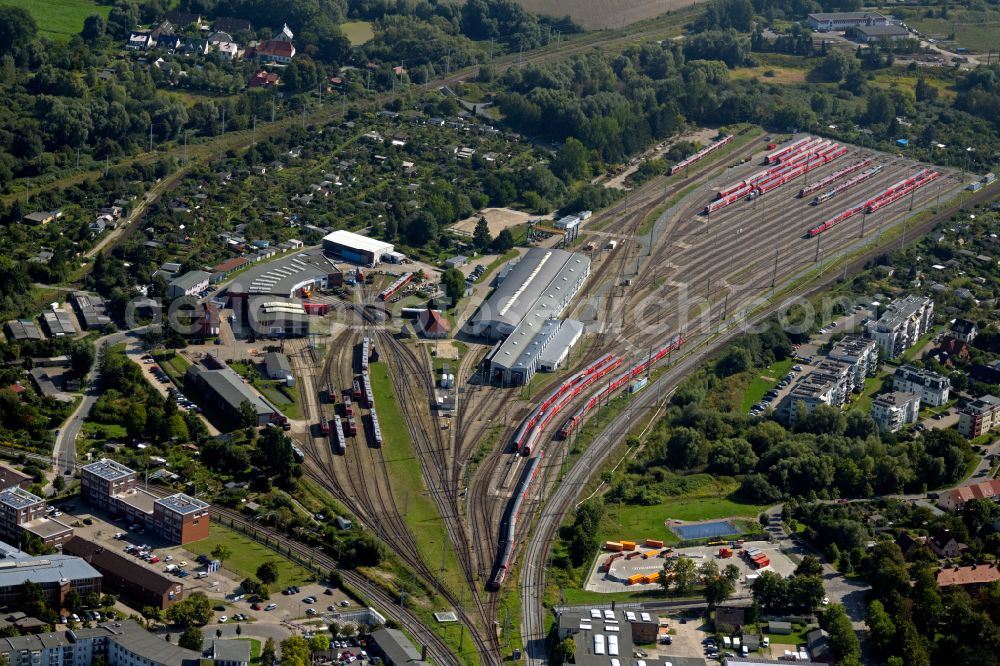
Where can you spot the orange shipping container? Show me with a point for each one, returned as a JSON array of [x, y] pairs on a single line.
[[613, 546], [628, 545], [654, 543], [637, 578], [653, 577]]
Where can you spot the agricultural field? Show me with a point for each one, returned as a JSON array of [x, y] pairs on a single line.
[[60, 19], [358, 32], [602, 14], [975, 30]]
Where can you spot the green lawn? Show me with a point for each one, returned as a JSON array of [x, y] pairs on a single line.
[[636, 523], [60, 19], [173, 364], [412, 498], [797, 637], [358, 32], [873, 385], [972, 33], [765, 380], [248, 555]]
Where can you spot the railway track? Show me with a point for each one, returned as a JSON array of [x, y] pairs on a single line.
[[700, 347]]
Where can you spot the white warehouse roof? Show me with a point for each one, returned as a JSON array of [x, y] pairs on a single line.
[[358, 242]]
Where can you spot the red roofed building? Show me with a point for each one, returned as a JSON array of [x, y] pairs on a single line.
[[228, 267], [953, 500], [432, 324], [264, 79], [976, 575], [273, 50], [16, 388]]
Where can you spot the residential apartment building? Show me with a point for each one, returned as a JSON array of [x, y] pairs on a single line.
[[860, 353], [932, 388], [979, 416], [902, 324], [113, 487], [892, 411], [831, 382], [101, 481], [123, 643], [22, 513]]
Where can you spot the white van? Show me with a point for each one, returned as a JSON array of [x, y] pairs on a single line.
[[202, 574]]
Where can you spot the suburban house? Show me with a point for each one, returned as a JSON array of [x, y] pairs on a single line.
[[944, 544], [964, 330], [910, 545], [264, 79], [955, 499], [275, 50], [42, 217], [139, 40]]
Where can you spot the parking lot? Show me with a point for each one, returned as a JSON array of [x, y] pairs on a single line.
[[222, 586], [616, 580]]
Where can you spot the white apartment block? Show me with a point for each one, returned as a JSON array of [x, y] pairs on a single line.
[[932, 388], [905, 320], [892, 411]]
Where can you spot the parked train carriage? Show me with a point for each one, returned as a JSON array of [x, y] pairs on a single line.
[[337, 439], [508, 526], [376, 430], [324, 425]]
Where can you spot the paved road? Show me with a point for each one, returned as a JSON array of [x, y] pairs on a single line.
[[64, 451]]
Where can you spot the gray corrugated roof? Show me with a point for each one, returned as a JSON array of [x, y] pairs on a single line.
[[235, 650], [534, 284], [230, 387], [189, 279], [155, 649], [45, 569], [275, 362], [397, 647], [566, 336]]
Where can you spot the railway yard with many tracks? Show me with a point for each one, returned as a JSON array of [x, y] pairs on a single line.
[[677, 273]]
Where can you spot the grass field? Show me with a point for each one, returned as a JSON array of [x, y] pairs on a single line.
[[358, 32], [174, 365], [248, 555], [765, 380], [975, 31], [786, 75], [647, 522], [412, 497], [60, 19]]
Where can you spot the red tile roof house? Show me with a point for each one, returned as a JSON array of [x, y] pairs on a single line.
[[273, 50], [974, 576], [432, 324], [953, 500], [264, 79]]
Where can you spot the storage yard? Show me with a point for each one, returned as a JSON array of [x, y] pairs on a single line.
[[640, 568]]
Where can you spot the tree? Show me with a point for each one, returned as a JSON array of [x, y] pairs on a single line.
[[881, 627], [809, 566], [222, 552], [59, 483], [268, 653], [319, 643], [684, 448], [770, 590], [248, 415], [680, 572], [192, 639], [844, 642], [17, 27], [481, 237], [836, 66], [294, 651], [453, 283], [719, 585], [193, 610], [268, 572], [805, 592], [503, 242], [81, 357], [572, 162], [563, 652], [94, 27]]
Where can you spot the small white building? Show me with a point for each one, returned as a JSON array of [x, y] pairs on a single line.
[[189, 284]]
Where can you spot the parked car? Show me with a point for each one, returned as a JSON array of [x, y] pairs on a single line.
[[270, 607]]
